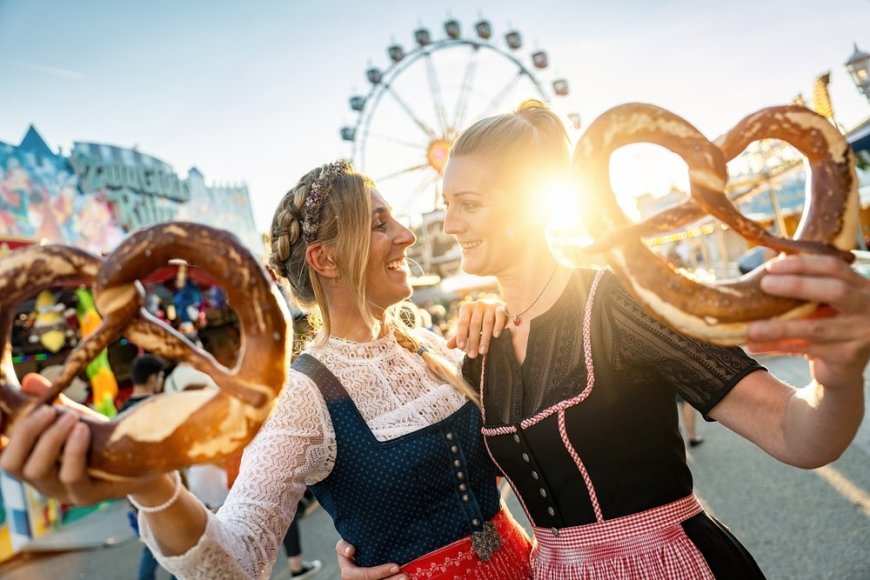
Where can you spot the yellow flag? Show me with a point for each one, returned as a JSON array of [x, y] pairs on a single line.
[[821, 98]]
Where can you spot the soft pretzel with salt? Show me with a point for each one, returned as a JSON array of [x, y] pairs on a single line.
[[166, 431], [716, 312]]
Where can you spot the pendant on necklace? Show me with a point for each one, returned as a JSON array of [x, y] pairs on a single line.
[[517, 320]]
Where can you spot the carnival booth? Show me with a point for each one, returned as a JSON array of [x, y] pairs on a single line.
[[92, 199]]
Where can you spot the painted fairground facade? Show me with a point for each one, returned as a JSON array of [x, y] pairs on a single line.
[[91, 199], [99, 193]]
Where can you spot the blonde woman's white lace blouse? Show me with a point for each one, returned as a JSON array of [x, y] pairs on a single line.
[[396, 395]]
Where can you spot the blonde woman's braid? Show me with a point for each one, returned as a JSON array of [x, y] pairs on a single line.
[[286, 233], [436, 364], [310, 213], [287, 255]]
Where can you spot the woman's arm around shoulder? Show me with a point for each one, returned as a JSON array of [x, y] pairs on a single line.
[[478, 322]]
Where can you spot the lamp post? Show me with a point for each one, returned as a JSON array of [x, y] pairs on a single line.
[[858, 66]]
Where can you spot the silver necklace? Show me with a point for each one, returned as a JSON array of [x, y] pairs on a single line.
[[517, 318]]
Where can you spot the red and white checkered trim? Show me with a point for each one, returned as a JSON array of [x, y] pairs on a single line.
[[510, 482], [649, 544], [558, 408], [590, 374], [491, 432], [593, 497], [587, 353]]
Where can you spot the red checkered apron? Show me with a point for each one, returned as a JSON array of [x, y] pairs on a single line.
[[459, 560], [645, 545]]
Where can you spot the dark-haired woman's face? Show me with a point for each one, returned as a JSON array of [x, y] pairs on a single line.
[[479, 217], [387, 278]]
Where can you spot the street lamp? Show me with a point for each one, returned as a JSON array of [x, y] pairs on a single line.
[[858, 66]]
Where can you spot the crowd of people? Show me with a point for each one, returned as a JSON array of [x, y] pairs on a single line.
[[567, 391]]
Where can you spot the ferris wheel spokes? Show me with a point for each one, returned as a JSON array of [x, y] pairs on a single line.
[[463, 86], [417, 146], [409, 205], [502, 94], [428, 182], [435, 88], [467, 81], [423, 126], [404, 171]]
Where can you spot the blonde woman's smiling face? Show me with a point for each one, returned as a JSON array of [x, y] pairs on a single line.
[[387, 279], [477, 215]]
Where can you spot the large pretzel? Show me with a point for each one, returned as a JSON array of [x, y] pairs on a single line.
[[166, 431], [716, 312]]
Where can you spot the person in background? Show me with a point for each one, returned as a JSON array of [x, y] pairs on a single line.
[[207, 481], [147, 374], [299, 569], [439, 319], [689, 416]]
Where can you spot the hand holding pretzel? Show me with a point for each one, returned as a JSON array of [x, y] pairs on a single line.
[[719, 312], [836, 337], [169, 431]]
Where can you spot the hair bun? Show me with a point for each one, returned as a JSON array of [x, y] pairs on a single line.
[[531, 106]]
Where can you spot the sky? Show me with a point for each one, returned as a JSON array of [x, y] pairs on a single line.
[[257, 91]]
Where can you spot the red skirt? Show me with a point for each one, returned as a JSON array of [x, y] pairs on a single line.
[[459, 559]]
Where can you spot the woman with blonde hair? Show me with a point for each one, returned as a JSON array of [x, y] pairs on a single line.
[[578, 394], [374, 418]]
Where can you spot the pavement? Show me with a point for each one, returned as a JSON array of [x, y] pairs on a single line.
[[798, 523], [107, 526]]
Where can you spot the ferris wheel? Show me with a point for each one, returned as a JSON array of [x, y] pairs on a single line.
[[417, 105]]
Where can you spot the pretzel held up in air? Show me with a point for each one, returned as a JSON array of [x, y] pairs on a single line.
[[716, 312]]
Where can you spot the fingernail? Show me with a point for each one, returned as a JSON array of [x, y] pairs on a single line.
[[44, 412], [394, 569], [80, 431], [347, 551], [460, 343]]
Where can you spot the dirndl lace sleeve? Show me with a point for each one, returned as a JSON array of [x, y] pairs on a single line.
[[700, 372], [295, 447]]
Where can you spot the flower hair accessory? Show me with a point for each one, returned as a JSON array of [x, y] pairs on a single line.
[[322, 185]]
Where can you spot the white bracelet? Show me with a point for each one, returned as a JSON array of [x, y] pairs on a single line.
[[159, 508]]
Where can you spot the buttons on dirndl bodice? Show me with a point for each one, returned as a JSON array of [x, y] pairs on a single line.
[[524, 453]]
